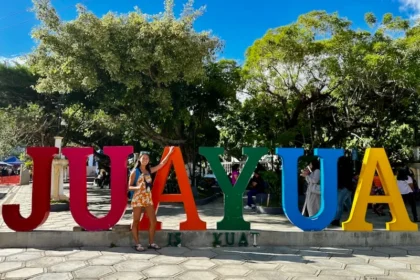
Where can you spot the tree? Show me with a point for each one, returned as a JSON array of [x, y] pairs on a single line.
[[131, 62], [16, 86], [28, 118], [330, 81], [292, 64]]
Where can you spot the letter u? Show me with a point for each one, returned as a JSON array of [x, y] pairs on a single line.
[[328, 207]]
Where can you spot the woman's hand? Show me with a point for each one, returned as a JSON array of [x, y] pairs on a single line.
[[164, 161], [304, 173], [171, 149]]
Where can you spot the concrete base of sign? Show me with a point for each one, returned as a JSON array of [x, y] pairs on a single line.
[[121, 236], [59, 207]]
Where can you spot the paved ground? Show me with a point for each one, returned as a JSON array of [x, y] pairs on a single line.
[[171, 214], [276, 263], [202, 264]]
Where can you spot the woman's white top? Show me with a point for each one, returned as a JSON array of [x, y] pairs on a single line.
[[404, 187]]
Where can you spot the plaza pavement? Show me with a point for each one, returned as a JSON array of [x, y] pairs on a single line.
[[222, 263], [271, 263]]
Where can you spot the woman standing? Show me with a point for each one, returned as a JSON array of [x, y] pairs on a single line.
[[141, 183], [405, 185], [313, 192]]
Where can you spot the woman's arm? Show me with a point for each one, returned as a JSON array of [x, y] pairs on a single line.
[[410, 183], [411, 186], [314, 177], [131, 182], [163, 162]]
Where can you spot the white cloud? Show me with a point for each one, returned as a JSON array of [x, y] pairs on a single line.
[[413, 6], [13, 60]]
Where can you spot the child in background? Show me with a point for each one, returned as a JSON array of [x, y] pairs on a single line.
[[377, 208]]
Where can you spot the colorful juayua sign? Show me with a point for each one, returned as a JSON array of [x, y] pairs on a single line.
[[375, 159]]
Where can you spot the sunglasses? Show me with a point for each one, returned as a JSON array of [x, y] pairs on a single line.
[[144, 153]]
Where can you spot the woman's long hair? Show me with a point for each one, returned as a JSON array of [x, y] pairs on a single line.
[[315, 165], [402, 175]]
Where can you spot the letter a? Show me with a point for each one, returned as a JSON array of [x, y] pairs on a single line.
[[41, 191], [78, 190], [375, 158], [328, 208], [193, 221]]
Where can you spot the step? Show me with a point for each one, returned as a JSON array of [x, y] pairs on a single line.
[[121, 236]]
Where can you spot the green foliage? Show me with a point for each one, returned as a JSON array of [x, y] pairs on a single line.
[[16, 86], [370, 19], [132, 79], [25, 126], [8, 139], [387, 18], [398, 142], [274, 181], [317, 83], [134, 50]]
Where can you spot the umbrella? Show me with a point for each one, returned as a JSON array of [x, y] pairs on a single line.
[[5, 163], [13, 161]]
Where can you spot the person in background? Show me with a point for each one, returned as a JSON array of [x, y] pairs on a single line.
[[101, 180], [257, 186], [405, 185], [377, 208], [345, 186], [415, 183], [235, 174], [313, 192]]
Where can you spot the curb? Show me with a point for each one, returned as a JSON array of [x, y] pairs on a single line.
[[210, 238]]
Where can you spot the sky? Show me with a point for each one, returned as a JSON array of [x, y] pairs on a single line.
[[238, 23]]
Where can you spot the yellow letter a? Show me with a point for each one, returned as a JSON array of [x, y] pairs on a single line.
[[375, 158]]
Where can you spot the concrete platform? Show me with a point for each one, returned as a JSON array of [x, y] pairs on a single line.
[[192, 239]]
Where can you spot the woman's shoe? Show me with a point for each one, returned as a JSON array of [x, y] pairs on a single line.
[[139, 248], [154, 246]]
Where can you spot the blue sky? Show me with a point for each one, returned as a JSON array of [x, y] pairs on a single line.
[[237, 23]]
